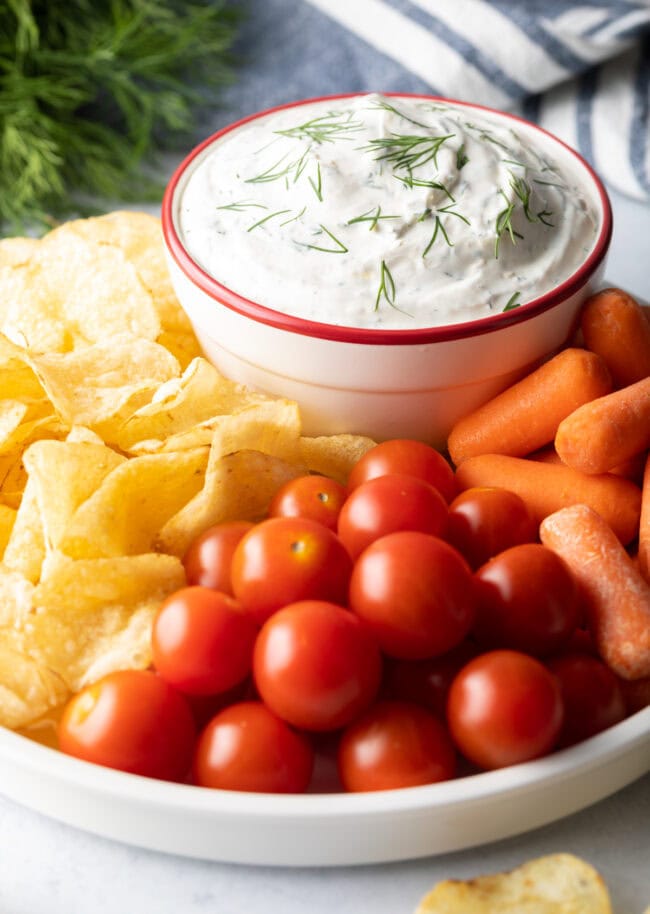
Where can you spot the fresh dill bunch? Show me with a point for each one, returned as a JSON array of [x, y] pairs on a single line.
[[91, 90]]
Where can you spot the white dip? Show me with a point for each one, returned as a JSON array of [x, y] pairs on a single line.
[[382, 212]]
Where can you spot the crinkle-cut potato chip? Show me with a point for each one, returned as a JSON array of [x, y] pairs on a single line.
[[107, 626], [185, 411], [28, 689], [25, 550], [72, 292], [127, 511], [554, 884], [64, 475], [16, 595], [334, 455], [240, 486], [7, 520], [139, 237], [106, 382], [16, 251]]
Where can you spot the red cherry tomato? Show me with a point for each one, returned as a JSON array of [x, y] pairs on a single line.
[[386, 504], [286, 559], [415, 592], [395, 744], [593, 698], [208, 559], [247, 747], [504, 707], [528, 600], [131, 720], [316, 665], [413, 458], [484, 521], [317, 497], [426, 682], [202, 641]]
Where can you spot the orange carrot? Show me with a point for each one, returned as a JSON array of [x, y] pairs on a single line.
[[526, 415], [614, 325], [546, 487], [617, 597], [644, 525], [602, 434], [630, 469]]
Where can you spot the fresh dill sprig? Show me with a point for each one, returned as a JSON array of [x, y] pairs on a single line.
[[484, 134], [504, 224], [411, 182], [371, 216], [523, 191], [439, 227], [408, 151], [339, 249], [335, 125], [240, 206], [386, 286], [461, 158], [91, 91], [294, 218], [317, 185], [383, 105], [280, 212], [513, 301]]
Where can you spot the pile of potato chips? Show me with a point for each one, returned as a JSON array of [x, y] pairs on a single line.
[[119, 444]]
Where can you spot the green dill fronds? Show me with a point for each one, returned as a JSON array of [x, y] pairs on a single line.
[[325, 129], [461, 158], [504, 224], [280, 212], [373, 216], [339, 249], [383, 105], [407, 151], [439, 228], [513, 301], [317, 185], [410, 182], [386, 286], [91, 90]]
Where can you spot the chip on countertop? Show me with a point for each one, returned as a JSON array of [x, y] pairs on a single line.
[[554, 884]]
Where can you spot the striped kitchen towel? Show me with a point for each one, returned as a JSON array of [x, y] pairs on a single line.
[[580, 69]]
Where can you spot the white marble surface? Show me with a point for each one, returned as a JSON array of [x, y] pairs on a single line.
[[49, 868]]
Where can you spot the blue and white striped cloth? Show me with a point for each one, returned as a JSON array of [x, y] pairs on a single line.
[[580, 69]]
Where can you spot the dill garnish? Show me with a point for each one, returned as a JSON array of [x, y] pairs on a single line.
[[336, 125], [407, 151], [386, 287], [504, 224], [280, 212], [383, 105], [439, 227], [317, 185], [411, 182], [240, 205], [371, 216], [512, 301], [340, 249], [461, 158]]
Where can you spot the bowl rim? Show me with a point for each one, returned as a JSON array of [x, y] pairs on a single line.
[[368, 335]]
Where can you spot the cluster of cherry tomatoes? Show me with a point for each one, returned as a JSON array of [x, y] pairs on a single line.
[[414, 632]]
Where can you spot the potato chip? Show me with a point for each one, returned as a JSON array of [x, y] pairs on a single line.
[[25, 550], [334, 455], [64, 474], [107, 626], [16, 251], [183, 345], [185, 412], [555, 884], [102, 384], [28, 689], [239, 487], [16, 595], [73, 292], [7, 521], [126, 513]]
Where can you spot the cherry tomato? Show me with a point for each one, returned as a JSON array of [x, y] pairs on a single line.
[[286, 559], [426, 682], [316, 665], [317, 497], [504, 707], [131, 720], [413, 458], [528, 600], [484, 521], [415, 592], [395, 744], [386, 504], [202, 641], [208, 559], [247, 747], [593, 698]]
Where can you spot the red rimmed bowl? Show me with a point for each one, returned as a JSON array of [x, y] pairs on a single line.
[[383, 383]]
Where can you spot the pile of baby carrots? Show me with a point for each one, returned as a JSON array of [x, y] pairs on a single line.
[[572, 439]]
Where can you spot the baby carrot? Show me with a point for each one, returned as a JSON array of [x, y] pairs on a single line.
[[602, 434], [525, 416], [547, 487], [630, 469], [617, 597], [614, 325], [644, 525]]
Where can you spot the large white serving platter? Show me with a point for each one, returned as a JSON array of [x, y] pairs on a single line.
[[323, 829]]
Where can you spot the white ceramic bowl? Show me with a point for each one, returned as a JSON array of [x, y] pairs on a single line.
[[383, 383]]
